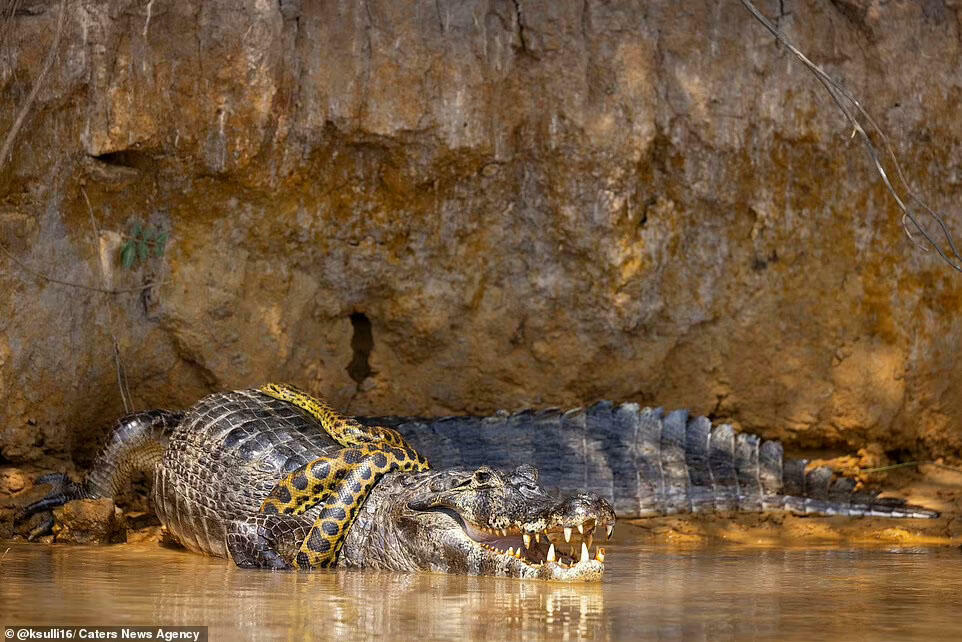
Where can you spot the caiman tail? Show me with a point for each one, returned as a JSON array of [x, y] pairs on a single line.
[[649, 463], [136, 445]]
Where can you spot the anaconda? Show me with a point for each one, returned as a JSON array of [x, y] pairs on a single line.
[[340, 481], [218, 466]]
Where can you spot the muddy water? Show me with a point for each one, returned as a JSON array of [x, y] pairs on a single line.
[[650, 593]]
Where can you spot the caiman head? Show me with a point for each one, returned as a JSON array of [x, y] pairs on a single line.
[[480, 522]]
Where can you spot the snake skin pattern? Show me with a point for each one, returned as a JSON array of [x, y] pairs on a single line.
[[346, 431], [342, 481]]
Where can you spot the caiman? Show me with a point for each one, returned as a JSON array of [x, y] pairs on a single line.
[[274, 478]]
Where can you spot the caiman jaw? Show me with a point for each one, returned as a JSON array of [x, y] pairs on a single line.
[[503, 523], [556, 552]]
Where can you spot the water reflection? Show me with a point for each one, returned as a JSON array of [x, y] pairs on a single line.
[[729, 594], [138, 584], [650, 593]]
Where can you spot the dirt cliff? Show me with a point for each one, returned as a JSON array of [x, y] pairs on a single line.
[[444, 207]]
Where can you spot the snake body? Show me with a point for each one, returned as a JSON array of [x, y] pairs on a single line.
[[339, 482]]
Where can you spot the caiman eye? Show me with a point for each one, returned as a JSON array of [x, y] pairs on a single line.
[[481, 477]]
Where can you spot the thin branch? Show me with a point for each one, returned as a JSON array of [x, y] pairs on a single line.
[[8, 144], [93, 224], [40, 275], [150, 7], [118, 362], [18, 123], [845, 101], [906, 464], [880, 469], [943, 466]]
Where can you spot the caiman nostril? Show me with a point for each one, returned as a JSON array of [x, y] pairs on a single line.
[[528, 471]]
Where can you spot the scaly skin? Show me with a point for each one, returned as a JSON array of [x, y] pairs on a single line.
[[223, 457], [647, 462], [341, 481], [230, 451], [480, 522]]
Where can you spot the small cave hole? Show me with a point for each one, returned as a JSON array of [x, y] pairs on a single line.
[[362, 342], [131, 158]]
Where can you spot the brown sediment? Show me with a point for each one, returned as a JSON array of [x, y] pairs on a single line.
[[788, 531], [933, 487]]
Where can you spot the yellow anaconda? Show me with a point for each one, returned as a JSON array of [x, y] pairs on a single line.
[[342, 481]]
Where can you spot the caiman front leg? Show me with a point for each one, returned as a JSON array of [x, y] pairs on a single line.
[[342, 482]]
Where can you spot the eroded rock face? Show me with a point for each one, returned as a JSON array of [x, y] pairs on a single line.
[[521, 203]]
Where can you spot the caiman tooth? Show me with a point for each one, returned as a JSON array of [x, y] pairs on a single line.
[[527, 540], [510, 551], [537, 537], [611, 530], [581, 528], [567, 533], [600, 555], [584, 553], [551, 556]]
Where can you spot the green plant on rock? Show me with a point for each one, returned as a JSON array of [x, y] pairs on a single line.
[[143, 241]]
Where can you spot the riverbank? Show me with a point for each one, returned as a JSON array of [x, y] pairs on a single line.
[[930, 485]]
